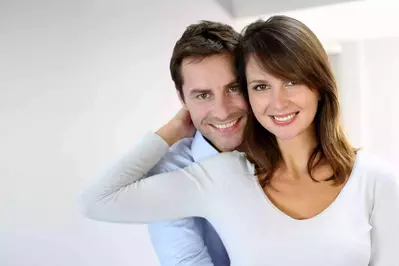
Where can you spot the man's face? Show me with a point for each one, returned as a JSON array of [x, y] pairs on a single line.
[[215, 102]]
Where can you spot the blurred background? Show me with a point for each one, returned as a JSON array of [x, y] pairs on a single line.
[[82, 80]]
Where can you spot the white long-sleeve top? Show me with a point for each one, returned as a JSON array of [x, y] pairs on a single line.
[[360, 228]]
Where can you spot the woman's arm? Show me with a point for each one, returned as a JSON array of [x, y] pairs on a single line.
[[122, 194], [385, 220]]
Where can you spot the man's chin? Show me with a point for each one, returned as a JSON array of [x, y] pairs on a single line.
[[223, 142], [227, 145]]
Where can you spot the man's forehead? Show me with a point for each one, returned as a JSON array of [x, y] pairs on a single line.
[[196, 59], [207, 73]]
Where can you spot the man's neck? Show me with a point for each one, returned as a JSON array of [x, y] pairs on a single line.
[[239, 148], [210, 143]]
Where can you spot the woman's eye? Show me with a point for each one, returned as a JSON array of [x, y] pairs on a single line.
[[292, 83], [261, 87]]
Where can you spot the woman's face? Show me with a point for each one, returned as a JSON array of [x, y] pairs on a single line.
[[284, 107]]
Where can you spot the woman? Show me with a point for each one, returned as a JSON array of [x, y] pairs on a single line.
[[311, 200]]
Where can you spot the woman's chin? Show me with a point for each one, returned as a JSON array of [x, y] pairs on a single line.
[[285, 137]]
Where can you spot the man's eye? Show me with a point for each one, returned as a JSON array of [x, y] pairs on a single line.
[[203, 96], [261, 87], [234, 89]]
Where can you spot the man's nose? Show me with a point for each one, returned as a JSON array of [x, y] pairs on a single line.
[[221, 108]]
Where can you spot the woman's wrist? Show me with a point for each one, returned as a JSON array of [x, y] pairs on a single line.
[[170, 133]]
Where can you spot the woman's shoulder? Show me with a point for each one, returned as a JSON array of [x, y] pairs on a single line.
[[373, 167], [228, 162]]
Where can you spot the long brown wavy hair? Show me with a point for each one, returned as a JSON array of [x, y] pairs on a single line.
[[288, 49]]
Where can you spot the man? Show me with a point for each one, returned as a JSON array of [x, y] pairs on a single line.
[[203, 72]]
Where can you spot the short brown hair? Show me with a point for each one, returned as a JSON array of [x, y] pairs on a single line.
[[288, 49], [201, 40]]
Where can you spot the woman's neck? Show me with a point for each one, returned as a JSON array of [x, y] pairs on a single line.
[[296, 153]]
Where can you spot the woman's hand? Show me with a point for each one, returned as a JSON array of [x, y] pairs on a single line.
[[180, 126]]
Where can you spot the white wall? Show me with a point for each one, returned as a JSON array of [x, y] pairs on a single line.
[[367, 71], [345, 21], [350, 73], [381, 110], [79, 83]]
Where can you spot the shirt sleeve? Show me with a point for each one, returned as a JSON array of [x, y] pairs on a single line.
[[385, 220], [123, 194], [178, 242]]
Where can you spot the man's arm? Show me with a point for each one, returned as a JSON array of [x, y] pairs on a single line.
[[178, 242]]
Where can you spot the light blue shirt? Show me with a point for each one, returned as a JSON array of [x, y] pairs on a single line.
[[190, 241]]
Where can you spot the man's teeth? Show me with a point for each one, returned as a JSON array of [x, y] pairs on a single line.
[[222, 126], [284, 118]]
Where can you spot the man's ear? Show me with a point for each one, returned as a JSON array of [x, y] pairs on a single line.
[[181, 98]]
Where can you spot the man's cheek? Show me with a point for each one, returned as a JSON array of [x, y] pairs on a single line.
[[200, 120], [197, 121]]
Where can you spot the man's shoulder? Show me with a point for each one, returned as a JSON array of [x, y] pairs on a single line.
[[178, 156], [182, 147]]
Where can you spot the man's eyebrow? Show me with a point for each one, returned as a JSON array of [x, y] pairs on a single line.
[[199, 91], [194, 91], [231, 84]]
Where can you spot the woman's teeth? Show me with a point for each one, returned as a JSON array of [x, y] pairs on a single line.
[[284, 118]]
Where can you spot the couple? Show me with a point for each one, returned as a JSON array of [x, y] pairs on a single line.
[[274, 179]]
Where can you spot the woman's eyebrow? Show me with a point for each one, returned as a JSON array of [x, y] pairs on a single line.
[[259, 81]]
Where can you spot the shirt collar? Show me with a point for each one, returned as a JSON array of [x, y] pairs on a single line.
[[201, 148]]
